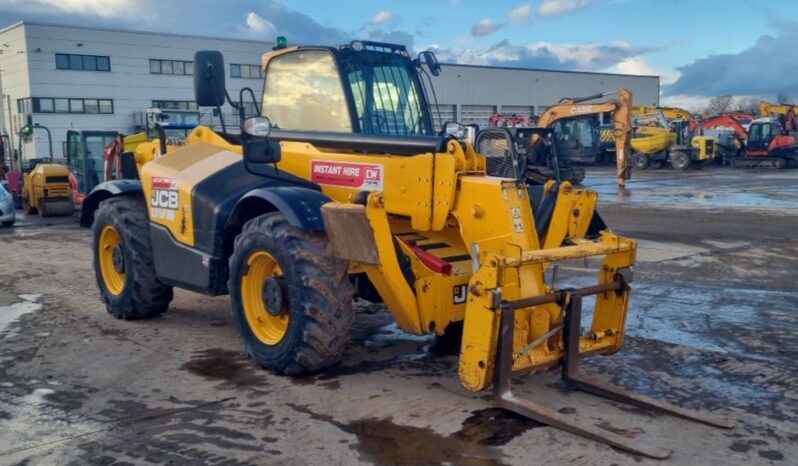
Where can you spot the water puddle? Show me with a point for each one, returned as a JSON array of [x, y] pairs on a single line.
[[230, 366], [384, 442], [11, 313]]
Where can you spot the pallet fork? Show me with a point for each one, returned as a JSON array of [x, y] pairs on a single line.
[[571, 328]]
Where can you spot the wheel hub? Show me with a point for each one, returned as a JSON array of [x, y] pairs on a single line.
[[119, 258], [274, 295]]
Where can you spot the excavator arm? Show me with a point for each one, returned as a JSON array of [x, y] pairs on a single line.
[[621, 109], [725, 120]]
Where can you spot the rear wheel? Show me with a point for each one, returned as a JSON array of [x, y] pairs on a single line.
[[680, 161], [292, 302], [26, 207], [123, 262], [640, 161]]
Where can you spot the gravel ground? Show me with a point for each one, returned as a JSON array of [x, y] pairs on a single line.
[[713, 325]]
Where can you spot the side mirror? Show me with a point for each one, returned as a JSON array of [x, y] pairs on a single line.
[[257, 147], [209, 90], [454, 129], [432, 62]]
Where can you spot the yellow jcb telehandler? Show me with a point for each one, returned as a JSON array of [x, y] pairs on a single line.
[[349, 177]]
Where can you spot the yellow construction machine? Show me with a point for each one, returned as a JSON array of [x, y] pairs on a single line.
[[769, 109], [671, 113], [564, 118], [44, 187], [346, 188]]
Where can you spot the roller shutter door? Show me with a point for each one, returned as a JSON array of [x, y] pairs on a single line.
[[447, 114], [478, 114]]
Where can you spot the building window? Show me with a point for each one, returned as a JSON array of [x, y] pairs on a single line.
[[246, 71], [175, 104], [179, 67], [65, 61], [62, 105], [250, 109]]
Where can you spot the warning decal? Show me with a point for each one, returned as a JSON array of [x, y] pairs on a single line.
[[367, 176]]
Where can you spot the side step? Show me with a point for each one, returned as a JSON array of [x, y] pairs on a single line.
[[571, 376]]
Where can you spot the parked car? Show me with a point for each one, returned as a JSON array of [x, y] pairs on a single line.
[[7, 213]]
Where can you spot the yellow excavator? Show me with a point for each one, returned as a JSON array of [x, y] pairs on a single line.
[[769, 109], [566, 136], [671, 113], [346, 188]]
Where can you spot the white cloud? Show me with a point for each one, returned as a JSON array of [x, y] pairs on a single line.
[[640, 66], [384, 17], [520, 14], [259, 26], [545, 55], [484, 27], [104, 8], [454, 2], [559, 7], [688, 102]]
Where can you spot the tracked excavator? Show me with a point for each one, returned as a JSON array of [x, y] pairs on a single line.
[[766, 143], [300, 209], [566, 136]]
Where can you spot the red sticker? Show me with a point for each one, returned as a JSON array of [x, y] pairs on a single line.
[[162, 182], [351, 175]]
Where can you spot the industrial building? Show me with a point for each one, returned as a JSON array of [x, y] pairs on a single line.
[[92, 78]]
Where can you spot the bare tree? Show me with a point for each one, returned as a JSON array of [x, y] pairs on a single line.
[[747, 105], [719, 104], [783, 98]]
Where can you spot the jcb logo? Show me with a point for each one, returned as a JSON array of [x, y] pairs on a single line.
[[581, 109], [164, 198], [460, 294]]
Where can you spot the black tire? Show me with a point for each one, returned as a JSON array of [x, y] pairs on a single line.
[[143, 296], [26, 207], [639, 161], [318, 290], [680, 161], [42, 210], [8, 223], [579, 176]]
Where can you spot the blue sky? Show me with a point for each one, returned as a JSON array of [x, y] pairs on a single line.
[[700, 48]]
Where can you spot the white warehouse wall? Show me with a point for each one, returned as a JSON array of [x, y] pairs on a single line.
[[129, 84]]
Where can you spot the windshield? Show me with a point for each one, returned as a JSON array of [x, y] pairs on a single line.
[[387, 96], [760, 132]]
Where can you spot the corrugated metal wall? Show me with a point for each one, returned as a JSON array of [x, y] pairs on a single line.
[[472, 90]]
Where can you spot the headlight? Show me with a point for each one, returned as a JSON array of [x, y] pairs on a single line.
[[4, 195], [258, 126]]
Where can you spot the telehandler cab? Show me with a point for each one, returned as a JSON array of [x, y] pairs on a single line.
[[281, 214]]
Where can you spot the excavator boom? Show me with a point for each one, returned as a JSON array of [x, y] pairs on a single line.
[[621, 109]]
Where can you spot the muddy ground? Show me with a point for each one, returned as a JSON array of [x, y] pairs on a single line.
[[713, 325]]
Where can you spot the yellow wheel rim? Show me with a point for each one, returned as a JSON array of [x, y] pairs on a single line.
[[112, 261], [268, 328]]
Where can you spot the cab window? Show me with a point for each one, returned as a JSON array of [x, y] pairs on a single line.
[[303, 91]]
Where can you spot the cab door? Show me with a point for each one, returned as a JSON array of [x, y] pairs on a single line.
[[76, 166]]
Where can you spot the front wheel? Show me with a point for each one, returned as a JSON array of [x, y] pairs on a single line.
[[292, 302], [123, 263], [680, 161], [640, 161]]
